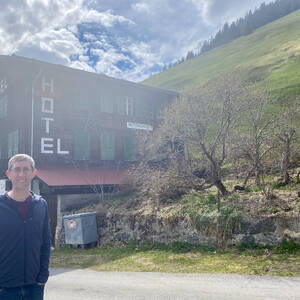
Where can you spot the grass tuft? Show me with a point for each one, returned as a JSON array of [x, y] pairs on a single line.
[[184, 258]]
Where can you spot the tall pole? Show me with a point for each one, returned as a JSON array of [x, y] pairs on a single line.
[[32, 109]]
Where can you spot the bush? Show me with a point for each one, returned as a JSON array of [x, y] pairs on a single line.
[[247, 189], [256, 188], [253, 246], [206, 217], [288, 246], [211, 199], [163, 185]]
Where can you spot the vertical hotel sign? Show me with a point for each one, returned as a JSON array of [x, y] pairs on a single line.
[[49, 144]]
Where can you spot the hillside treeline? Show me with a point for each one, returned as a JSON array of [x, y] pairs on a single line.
[[230, 125], [261, 16], [265, 14]]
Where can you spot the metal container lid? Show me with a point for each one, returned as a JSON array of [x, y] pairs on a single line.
[[79, 215]]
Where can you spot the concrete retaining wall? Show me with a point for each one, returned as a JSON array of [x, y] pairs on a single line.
[[117, 228]]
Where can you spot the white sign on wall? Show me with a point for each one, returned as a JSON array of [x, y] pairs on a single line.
[[2, 186], [139, 126]]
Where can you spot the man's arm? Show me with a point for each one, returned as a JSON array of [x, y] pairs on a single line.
[[45, 250]]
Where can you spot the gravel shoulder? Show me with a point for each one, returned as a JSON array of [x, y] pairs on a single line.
[[88, 284]]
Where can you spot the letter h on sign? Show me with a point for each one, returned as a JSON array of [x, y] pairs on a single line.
[[48, 85]]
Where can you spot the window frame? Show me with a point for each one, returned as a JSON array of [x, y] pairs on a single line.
[[127, 156], [13, 143], [3, 106], [107, 142], [84, 155]]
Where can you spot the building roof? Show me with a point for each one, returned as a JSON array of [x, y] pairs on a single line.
[[21, 59], [83, 175]]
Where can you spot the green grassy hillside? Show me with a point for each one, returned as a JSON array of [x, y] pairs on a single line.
[[271, 53]]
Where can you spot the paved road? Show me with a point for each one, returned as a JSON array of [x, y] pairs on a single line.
[[67, 284]]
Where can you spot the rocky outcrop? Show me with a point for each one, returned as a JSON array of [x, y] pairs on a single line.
[[267, 231], [124, 228], [114, 227], [117, 227]]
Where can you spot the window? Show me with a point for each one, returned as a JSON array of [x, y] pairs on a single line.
[[107, 145], [122, 107], [13, 143], [3, 85], [126, 106], [129, 146], [129, 107], [141, 108], [3, 107], [106, 105], [157, 109], [81, 100], [81, 146]]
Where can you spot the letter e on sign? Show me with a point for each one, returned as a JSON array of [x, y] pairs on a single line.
[[46, 143]]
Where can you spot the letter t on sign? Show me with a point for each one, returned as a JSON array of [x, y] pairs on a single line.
[[48, 123]]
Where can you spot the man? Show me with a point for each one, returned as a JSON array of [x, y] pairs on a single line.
[[24, 235]]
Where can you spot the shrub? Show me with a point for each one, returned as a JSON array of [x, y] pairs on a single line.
[[206, 217], [288, 246]]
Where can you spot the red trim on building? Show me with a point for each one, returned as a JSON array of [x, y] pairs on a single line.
[[70, 175]]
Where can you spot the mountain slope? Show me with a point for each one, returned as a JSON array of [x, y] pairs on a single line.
[[271, 53]]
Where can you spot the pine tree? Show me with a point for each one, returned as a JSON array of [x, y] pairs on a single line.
[[261, 16]]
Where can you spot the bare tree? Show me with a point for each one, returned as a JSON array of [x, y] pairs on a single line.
[[253, 139], [195, 129], [287, 137]]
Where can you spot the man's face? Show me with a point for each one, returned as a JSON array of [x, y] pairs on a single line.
[[21, 175]]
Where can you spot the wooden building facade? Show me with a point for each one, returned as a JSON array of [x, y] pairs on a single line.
[[70, 118], [80, 128]]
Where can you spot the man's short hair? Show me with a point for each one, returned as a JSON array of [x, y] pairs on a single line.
[[21, 157]]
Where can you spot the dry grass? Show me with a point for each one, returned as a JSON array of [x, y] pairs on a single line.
[[135, 259]]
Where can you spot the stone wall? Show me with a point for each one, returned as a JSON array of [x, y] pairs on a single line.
[[118, 228], [267, 231], [264, 231]]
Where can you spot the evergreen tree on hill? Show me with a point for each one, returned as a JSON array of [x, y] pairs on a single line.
[[265, 14]]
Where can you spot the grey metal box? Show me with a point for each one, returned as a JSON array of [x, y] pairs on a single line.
[[81, 228]]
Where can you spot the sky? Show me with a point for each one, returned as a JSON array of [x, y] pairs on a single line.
[[127, 39]]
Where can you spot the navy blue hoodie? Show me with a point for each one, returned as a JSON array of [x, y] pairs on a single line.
[[24, 244]]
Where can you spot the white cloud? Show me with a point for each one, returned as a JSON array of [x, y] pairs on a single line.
[[81, 65], [141, 7], [62, 42], [217, 12], [203, 7], [122, 38], [21, 21], [90, 37]]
